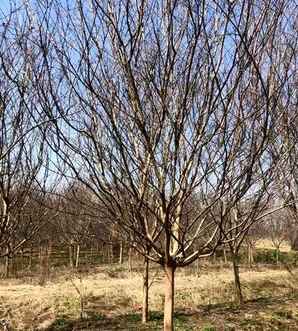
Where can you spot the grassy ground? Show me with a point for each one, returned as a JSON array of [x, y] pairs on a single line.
[[112, 301], [267, 244]]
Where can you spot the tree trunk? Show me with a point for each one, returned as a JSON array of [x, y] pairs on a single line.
[[294, 239], [250, 255], [121, 253], [70, 250], [30, 258], [47, 262], [225, 256], [214, 258], [169, 298], [238, 291], [6, 271], [77, 256], [145, 308], [91, 255], [198, 268], [43, 266], [130, 261], [22, 259], [112, 253], [277, 256]]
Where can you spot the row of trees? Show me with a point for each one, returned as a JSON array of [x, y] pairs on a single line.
[[177, 119]]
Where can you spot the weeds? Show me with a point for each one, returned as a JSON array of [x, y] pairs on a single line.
[[271, 302]]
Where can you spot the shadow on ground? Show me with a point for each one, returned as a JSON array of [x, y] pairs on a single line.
[[122, 322], [263, 313]]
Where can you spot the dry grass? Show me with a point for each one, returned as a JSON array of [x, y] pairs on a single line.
[[267, 244], [108, 294]]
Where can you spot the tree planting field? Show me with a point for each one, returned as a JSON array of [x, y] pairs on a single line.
[[108, 297], [148, 165]]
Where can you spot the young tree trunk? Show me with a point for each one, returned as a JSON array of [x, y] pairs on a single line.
[[112, 253], [47, 262], [225, 256], [30, 258], [130, 260], [145, 308], [198, 268], [277, 256], [39, 252], [294, 240], [14, 266], [49, 255], [91, 255], [109, 254], [77, 256], [250, 255], [6, 270], [22, 259], [169, 298], [121, 253], [70, 251], [214, 258], [43, 266], [238, 291]]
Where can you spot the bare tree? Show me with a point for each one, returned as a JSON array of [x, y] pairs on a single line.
[[285, 143], [159, 101], [239, 221], [278, 230], [22, 149], [76, 217]]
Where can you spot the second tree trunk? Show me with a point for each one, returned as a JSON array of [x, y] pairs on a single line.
[[238, 291]]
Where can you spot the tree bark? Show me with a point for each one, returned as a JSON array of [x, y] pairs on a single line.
[[121, 253], [130, 261], [91, 255], [225, 256], [77, 256], [198, 268], [7, 264], [70, 250], [14, 266], [47, 262], [111, 253], [43, 265], [277, 255], [145, 307], [169, 298], [294, 241], [238, 290], [250, 255], [214, 258], [22, 259], [30, 258]]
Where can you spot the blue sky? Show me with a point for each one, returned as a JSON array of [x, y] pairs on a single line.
[[5, 5]]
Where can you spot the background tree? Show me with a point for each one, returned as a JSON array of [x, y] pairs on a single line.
[[22, 149], [277, 228], [285, 143]]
